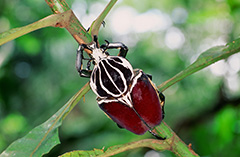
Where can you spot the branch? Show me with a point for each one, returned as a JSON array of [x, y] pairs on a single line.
[[176, 145], [207, 58], [74, 27], [58, 20], [95, 26], [150, 143], [172, 143], [44, 137]]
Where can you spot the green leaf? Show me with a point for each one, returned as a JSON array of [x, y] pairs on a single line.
[[95, 152], [207, 58], [172, 143], [74, 27], [44, 137]]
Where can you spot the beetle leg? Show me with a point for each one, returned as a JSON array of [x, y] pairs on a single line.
[[158, 137], [162, 98], [88, 64], [149, 76], [95, 39], [79, 58], [119, 126], [79, 66], [118, 45]]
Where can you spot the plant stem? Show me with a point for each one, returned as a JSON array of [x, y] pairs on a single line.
[[62, 113], [95, 26], [205, 59], [74, 27], [177, 146], [57, 20], [58, 6], [149, 143], [76, 98]]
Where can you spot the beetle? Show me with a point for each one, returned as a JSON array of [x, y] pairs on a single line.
[[127, 96]]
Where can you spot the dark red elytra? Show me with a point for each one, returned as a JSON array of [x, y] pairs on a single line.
[[146, 111], [127, 96]]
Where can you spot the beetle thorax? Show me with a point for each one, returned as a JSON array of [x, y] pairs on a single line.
[[111, 77], [98, 55]]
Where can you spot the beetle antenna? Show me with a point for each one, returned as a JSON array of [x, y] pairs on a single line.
[[103, 23], [107, 42]]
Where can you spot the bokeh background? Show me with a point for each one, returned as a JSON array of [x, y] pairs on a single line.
[[38, 75]]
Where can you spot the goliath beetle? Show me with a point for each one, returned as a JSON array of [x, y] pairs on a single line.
[[127, 96]]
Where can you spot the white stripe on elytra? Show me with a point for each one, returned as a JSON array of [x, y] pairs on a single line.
[[121, 75], [126, 99], [135, 79], [125, 64], [93, 84], [109, 76]]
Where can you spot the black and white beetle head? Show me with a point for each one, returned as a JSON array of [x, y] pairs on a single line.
[[97, 52]]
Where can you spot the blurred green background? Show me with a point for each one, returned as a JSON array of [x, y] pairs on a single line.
[[38, 75]]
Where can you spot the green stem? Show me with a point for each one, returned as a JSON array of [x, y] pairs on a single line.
[[58, 20], [58, 6], [149, 143], [177, 146], [74, 27], [96, 24], [207, 58], [76, 98], [63, 112], [172, 143]]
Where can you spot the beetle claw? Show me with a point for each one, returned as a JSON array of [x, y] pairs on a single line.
[[155, 135], [119, 126]]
